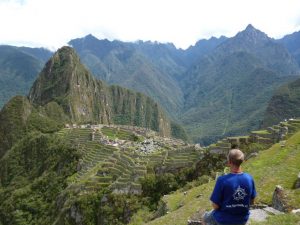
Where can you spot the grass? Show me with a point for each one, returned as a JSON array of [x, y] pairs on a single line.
[[114, 133], [260, 132], [283, 166], [275, 166]]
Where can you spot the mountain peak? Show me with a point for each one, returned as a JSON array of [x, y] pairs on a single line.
[[90, 36], [65, 53], [59, 76], [250, 27], [252, 35]]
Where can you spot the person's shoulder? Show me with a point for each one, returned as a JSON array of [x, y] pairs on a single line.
[[224, 177], [248, 175]]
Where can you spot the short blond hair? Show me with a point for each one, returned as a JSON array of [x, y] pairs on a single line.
[[236, 157]]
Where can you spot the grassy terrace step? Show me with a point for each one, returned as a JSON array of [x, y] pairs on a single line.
[[123, 169], [115, 171], [171, 153], [91, 186], [183, 157], [140, 167], [136, 185], [176, 164], [116, 133], [124, 164], [224, 144], [123, 180], [99, 179]]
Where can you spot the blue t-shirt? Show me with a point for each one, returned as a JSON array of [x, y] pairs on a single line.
[[233, 193]]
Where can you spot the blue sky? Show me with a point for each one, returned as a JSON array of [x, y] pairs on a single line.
[[52, 23]]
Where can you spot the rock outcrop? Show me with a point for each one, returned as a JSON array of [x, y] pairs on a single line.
[[279, 200]]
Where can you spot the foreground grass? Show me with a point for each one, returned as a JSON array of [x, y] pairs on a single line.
[[275, 166]]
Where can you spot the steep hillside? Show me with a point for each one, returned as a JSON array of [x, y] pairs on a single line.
[[292, 43], [19, 67], [13, 119], [85, 174], [184, 204], [284, 104], [166, 57], [227, 91], [136, 66]]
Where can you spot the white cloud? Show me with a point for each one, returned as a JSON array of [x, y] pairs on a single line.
[[52, 23]]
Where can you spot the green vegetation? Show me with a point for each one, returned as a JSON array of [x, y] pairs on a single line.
[[18, 69], [69, 93], [281, 162], [260, 132], [119, 133], [136, 67], [178, 132], [50, 175], [219, 87], [283, 104], [33, 173]]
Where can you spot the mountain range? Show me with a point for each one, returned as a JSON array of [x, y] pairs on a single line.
[[77, 149], [216, 88], [19, 67]]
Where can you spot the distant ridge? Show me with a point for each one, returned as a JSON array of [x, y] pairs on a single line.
[[19, 67], [227, 91], [142, 66]]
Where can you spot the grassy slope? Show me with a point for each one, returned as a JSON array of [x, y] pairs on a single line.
[[272, 167]]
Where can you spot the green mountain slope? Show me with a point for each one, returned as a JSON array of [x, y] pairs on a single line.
[[292, 43], [284, 104], [18, 69], [274, 160], [227, 91], [46, 177], [201, 48], [126, 64], [33, 174]]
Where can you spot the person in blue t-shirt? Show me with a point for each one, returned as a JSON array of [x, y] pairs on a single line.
[[232, 195]]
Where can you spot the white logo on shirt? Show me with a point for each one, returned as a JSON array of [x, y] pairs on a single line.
[[239, 194]]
